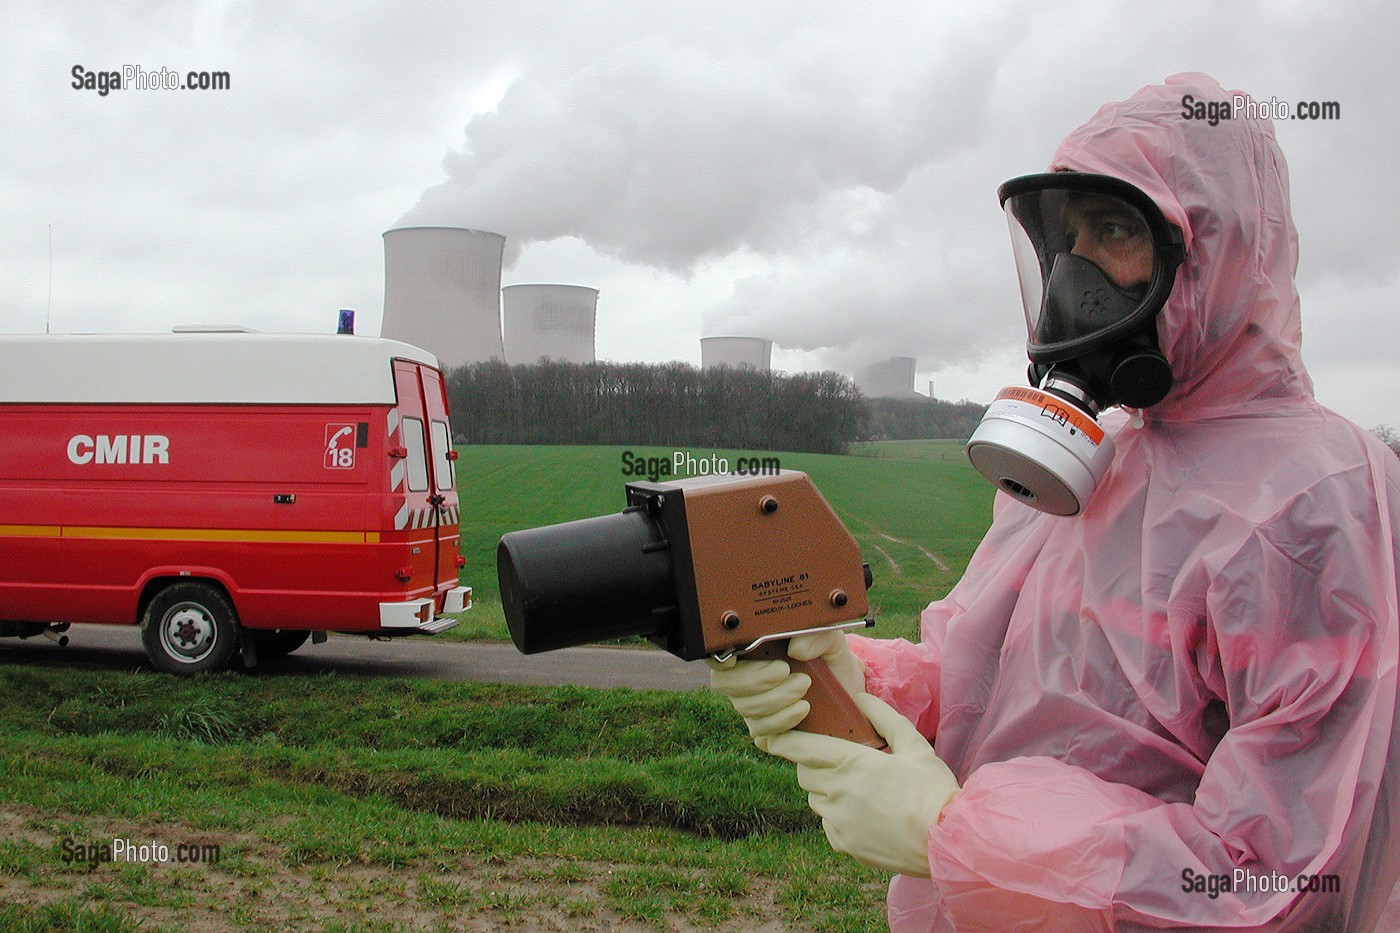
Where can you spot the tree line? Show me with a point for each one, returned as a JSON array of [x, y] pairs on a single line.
[[679, 405], [906, 419]]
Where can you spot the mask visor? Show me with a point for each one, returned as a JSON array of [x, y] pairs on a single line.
[[1094, 257]]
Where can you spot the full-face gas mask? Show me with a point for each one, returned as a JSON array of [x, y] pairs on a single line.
[[1096, 261]]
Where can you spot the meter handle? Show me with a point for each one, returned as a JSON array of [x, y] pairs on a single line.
[[833, 711]]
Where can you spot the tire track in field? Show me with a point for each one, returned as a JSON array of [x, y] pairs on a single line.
[[922, 550], [871, 529], [894, 564]]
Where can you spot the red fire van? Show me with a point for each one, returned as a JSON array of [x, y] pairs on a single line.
[[228, 492]]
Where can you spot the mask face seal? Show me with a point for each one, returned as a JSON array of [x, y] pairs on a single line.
[[1096, 261]]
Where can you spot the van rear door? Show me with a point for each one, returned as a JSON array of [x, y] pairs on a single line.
[[444, 471], [419, 512], [430, 477]]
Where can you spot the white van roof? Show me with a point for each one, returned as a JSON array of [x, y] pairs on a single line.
[[201, 368]]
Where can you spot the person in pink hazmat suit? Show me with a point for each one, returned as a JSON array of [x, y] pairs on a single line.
[[1175, 709]]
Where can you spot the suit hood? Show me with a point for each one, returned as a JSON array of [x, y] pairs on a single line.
[[1230, 329]]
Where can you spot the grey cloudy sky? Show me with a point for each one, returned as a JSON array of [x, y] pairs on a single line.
[[822, 174]]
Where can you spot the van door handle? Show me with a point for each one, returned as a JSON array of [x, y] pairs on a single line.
[[284, 498]]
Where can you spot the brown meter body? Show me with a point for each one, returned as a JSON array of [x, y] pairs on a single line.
[[712, 566]]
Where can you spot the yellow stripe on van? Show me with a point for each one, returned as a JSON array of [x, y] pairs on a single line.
[[30, 531], [190, 534]]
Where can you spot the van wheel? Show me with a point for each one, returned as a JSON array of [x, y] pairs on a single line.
[[278, 642], [189, 629]]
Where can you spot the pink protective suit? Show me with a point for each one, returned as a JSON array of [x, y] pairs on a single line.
[[1198, 673]]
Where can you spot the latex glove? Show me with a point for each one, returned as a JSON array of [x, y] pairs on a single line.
[[875, 806], [769, 695], [831, 647], [766, 693]]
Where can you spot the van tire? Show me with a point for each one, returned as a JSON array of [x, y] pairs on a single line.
[[189, 628], [277, 643]]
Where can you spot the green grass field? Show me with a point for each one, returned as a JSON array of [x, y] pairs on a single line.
[[381, 804], [916, 508]]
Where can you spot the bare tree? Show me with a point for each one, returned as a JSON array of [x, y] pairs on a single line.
[[1388, 437]]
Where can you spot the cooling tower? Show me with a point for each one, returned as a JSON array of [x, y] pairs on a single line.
[[893, 378], [751, 352], [556, 321], [442, 292]]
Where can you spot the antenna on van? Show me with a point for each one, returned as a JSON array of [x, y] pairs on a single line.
[[48, 311]]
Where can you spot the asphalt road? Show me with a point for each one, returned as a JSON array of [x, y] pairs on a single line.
[[119, 647]]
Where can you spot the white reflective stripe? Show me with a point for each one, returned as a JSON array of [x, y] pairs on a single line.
[[393, 421], [417, 519], [396, 475]]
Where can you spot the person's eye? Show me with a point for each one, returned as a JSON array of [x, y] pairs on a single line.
[[1118, 230]]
